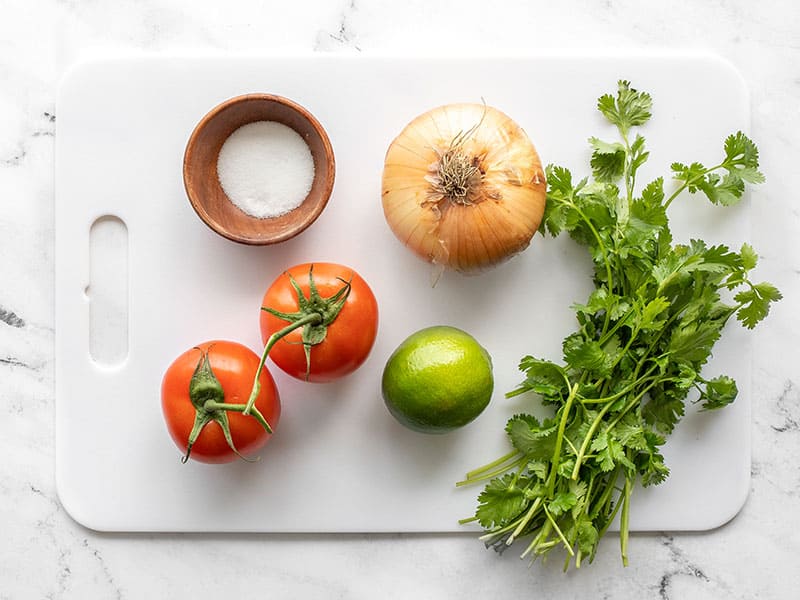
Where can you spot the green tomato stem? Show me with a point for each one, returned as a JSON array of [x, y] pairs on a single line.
[[310, 319], [211, 405]]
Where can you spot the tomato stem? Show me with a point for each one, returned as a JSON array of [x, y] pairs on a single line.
[[314, 318], [212, 405]]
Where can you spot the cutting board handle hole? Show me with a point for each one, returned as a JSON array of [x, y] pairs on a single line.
[[107, 291]]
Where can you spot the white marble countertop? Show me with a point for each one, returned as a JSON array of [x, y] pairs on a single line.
[[44, 554]]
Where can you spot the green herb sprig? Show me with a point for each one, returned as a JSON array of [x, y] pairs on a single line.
[[644, 335]]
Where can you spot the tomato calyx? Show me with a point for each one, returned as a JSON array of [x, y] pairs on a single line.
[[315, 314], [208, 398], [315, 330]]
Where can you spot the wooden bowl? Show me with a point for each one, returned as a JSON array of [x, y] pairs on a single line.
[[202, 182]]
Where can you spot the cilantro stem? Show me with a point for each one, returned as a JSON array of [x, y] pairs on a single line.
[[606, 500], [619, 394], [599, 418], [540, 541], [499, 470], [558, 531], [491, 465], [524, 521], [690, 182], [628, 175], [551, 484], [496, 533], [587, 440], [623, 521], [603, 251], [620, 322]]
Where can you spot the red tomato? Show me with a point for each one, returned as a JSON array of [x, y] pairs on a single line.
[[348, 338], [234, 367]]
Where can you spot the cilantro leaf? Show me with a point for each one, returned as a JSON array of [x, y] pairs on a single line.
[[630, 108], [718, 392], [608, 160], [692, 342], [741, 158], [754, 303], [500, 501], [588, 537], [726, 190], [664, 409], [651, 463], [650, 313], [533, 439], [749, 257], [560, 193], [692, 175], [562, 503], [542, 377]]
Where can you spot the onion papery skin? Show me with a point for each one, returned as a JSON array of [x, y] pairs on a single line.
[[471, 227]]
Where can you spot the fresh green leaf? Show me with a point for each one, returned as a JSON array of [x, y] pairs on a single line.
[[749, 257], [501, 500], [718, 392], [533, 439], [637, 355], [638, 154], [651, 312], [630, 108], [608, 160], [587, 537], [741, 158], [542, 377], [586, 355], [754, 303], [692, 342], [664, 409], [726, 190], [562, 503], [692, 175]]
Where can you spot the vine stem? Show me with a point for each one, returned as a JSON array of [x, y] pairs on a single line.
[[211, 405], [310, 319]]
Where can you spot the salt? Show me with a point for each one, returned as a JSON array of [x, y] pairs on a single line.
[[265, 168]]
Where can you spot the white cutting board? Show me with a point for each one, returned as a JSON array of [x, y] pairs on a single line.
[[339, 462]]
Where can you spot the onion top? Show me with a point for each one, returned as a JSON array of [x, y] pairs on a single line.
[[463, 187]]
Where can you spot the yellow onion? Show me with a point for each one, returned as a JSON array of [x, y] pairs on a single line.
[[463, 187]]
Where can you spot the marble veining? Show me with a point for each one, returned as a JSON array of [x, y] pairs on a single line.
[[44, 554], [681, 566], [342, 36], [10, 318]]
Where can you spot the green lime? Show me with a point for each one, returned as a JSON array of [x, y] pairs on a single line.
[[440, 378]]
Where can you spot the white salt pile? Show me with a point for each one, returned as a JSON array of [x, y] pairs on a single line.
[[265, 168]]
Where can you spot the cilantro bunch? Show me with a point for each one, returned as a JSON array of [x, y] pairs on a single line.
[[637, 356]]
